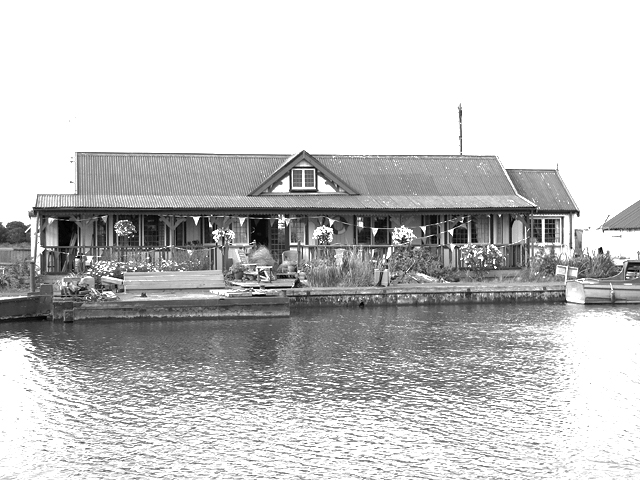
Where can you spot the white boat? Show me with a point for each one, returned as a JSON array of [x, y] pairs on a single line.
[[621, 288]]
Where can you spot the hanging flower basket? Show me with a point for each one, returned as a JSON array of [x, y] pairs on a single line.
[[402, 236], [323, 235], [223, 236], [125, 228]]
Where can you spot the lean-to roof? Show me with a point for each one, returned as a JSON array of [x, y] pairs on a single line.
[[628, 219]]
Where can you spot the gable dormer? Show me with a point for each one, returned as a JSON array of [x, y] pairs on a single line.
[[300, 174]]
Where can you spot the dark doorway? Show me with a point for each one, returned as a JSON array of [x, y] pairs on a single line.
[[259, 231], [67, 233]]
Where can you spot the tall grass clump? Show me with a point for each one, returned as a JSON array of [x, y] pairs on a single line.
[[594, 265], [355, 270], [599, 265]]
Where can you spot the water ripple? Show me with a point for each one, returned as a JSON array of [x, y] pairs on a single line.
[[490, 391]]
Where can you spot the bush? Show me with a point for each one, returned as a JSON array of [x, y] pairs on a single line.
[[419, 260], [17, 276]]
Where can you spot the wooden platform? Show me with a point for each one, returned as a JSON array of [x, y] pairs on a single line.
[[138, 282], [183, 306], [25, 307]]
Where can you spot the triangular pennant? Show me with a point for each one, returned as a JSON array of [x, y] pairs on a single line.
[[105, 218], [50, 220], [242, 219], [374, 231], [424, 229], [272, 220], [286, 221], [196, 220], [331, 220]]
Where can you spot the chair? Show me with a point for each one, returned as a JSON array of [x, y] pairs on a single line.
[[290, 256]]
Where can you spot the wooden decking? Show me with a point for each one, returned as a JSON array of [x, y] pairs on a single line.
[[203, 280]]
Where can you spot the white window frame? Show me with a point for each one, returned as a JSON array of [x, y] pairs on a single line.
[[305, 185], [543, 229]]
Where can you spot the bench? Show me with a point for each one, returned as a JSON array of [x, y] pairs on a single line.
[[155, 281]]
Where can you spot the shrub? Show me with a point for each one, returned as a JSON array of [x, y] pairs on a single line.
[[17, 276], [419, 260]]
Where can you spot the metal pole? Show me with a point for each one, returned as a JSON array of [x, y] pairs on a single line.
[[460, 122]]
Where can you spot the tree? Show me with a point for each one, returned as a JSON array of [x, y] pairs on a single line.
[[3, 233], [15, 232]]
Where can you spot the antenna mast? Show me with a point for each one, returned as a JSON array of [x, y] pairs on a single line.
[[460, 121]]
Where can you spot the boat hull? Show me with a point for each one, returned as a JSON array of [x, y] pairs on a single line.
[[592, 292]]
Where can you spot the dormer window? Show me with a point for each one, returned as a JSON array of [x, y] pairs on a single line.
[[303, 179]]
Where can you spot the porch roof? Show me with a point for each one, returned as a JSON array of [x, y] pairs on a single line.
[[299, 203]]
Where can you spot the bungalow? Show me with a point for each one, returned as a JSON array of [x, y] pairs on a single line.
[[624, 232], [177, 202]]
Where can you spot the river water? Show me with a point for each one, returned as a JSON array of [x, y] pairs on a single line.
[[504, 391]]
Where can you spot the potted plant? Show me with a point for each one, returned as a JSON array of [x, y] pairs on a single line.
[[238, 270]]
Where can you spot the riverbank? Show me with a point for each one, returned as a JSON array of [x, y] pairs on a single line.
[[278, 303], [432, 293]]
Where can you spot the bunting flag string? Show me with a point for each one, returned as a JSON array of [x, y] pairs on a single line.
[[451, 223]]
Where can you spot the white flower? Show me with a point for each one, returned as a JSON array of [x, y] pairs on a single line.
[[402, 236], [220, 236], [323, 235]]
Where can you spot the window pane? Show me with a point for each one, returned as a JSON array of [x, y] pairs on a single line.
[[296, 178], [382, 235], [296, 231], [242, 235], [101, 232], [537, 229], [552, 230], [309, 178], [364, 233], [153, 231], [431, 232]]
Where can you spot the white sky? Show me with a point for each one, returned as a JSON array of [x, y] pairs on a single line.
[[541, 84]]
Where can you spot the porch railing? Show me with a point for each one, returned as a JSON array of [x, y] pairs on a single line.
[[452, 257], [65, 259], [78, 258]]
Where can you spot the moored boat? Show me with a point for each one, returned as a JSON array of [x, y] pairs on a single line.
[[621, 288]]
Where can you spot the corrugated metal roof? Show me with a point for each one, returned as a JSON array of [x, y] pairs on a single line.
[[320, 202], [175, 174], [202, 182], [628, 219], [545, 188]]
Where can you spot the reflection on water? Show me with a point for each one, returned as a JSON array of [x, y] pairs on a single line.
[[476, 391]]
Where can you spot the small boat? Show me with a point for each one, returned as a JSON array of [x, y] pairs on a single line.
[[621, 288]]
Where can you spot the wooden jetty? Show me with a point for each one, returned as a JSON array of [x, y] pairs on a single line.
[[25, 307]]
